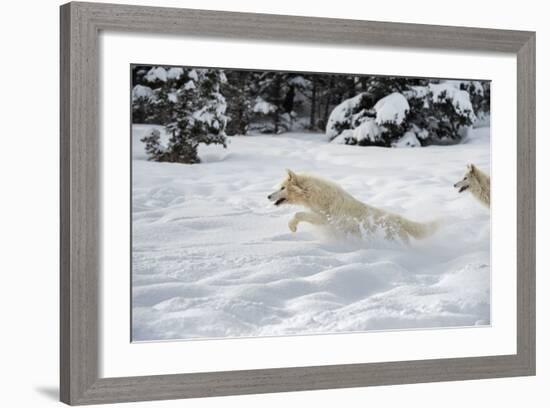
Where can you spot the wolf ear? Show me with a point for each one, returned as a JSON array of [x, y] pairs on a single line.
[[291, 175], [471, 167]]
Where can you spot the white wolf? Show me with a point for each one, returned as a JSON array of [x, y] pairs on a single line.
[[330, 204], [477, 183]]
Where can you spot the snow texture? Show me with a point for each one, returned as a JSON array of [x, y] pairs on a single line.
[[189, 85], [391, 109], [174, 73], [262, 106], [173, 97], [212, 257], [193, 75], [299, 81], [417, 92], [342, 114], [140, 91], [156, 74], [368, 130], [345, 137], [409, 139], [212, 112]]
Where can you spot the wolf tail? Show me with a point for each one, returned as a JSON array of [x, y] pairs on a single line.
[[421, 230]]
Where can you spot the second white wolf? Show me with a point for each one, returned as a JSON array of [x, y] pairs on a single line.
[[328, 203], [476, 182]]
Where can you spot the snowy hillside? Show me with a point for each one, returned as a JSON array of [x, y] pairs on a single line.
[[212, 257]]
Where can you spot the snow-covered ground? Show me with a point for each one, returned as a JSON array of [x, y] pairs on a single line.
[[212, 257]]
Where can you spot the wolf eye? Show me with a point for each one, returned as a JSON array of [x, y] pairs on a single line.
[[283, 187]]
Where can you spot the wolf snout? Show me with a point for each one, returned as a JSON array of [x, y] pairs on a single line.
[[461, 186]]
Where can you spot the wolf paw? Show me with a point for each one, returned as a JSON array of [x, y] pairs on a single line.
[[292, 225]]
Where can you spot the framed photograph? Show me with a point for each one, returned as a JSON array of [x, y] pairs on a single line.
[[260, 203]]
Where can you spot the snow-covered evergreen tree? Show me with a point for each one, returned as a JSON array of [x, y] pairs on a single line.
[[440, 112], [153, 95], [275, 101], [162, 104], [347, 106], [348, 115], [355, 122], [238, 91], [141, 103], [196, 117]]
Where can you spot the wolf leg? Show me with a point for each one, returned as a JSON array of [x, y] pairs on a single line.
[[404, 237], [310, 217]]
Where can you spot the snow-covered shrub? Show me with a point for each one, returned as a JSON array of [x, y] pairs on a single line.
[[440, 112], [409, 139], [156, 74], [141, 92], [153, 146], [174, 73], [480, 93], [391, 112], [391, 109], [196, 114], [347, 115], [368, 133], [423, 113], [378, 126], [346, 137], [458, 99]]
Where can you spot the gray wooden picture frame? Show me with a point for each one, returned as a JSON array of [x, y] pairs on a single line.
[[80, 191]]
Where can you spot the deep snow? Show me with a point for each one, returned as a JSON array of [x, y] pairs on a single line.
[[212, 257]]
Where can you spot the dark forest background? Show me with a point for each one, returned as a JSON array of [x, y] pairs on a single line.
[[199, 105]]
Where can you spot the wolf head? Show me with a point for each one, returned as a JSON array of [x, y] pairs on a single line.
[[289, 192], [468, 180]]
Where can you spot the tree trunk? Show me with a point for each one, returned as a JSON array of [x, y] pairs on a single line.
[[313, 102], [277, 101], [351, 87], [328, 99], [363, 81]]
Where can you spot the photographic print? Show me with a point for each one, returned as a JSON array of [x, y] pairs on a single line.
[[270, 203]]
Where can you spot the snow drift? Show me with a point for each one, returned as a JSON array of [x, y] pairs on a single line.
[[213, 258]]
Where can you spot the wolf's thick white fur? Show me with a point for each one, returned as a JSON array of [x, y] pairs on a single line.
[[328, 203], [477, 183]]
